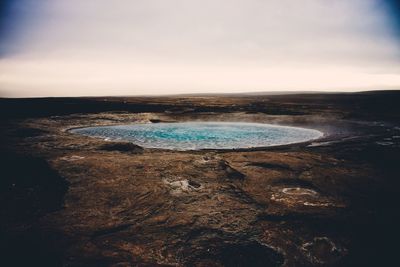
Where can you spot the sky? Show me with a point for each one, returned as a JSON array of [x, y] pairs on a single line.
[[157, 47]]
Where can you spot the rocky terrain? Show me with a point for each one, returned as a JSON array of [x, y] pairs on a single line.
[[71, 200]]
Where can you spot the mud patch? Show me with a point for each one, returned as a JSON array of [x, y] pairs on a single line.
[[266, 165], [122, 147], [244, 254]]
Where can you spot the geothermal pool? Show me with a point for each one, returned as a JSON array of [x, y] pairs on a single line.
[[202, 135]]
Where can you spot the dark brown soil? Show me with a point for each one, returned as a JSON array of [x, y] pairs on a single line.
[[71, 200]]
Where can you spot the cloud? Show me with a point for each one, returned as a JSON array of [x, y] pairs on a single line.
[[155, 46]]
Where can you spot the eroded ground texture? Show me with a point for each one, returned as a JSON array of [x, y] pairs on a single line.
[[70, 200]]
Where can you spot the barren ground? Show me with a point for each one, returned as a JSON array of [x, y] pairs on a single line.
[[71, 200]]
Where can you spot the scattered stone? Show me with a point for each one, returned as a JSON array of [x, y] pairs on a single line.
[[322, 250], [298, 191], [182, 186], [385, 143], [72, 158], [231, 172]]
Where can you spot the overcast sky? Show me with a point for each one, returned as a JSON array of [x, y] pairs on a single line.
[[136, 47]]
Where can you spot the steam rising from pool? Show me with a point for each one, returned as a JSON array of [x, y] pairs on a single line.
[[203, 135]]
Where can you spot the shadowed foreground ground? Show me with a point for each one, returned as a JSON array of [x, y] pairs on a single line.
[[69, 200]]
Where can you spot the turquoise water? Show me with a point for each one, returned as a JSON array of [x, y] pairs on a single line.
[[202, 135]]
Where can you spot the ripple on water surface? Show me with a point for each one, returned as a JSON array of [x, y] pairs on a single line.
[[203, 135]]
